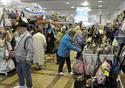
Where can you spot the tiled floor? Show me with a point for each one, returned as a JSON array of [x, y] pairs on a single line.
[[45, 78]]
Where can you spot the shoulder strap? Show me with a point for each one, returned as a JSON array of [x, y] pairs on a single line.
[[26, 41]]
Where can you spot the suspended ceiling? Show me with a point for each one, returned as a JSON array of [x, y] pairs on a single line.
[[108, 6]]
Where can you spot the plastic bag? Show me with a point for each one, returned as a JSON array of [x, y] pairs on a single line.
[[78, 67]]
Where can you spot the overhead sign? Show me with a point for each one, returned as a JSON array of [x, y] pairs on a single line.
[[81, 14]]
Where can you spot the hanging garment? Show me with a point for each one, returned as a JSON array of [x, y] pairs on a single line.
[[4, 54]]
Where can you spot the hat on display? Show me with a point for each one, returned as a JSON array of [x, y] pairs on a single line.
[[22, 24]]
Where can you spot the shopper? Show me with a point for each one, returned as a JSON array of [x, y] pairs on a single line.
[[80, 40], [60, 34], [65, 46], [24, 54], [79, 27], [50, 39], [39, 44]]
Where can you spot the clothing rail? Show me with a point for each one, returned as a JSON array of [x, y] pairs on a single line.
[[108, 55], [92, 58]]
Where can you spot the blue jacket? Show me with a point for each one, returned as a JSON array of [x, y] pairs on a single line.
[[66, 45]]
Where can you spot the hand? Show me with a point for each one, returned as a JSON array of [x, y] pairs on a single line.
[[28, 62], [79, 54], [81, 51]]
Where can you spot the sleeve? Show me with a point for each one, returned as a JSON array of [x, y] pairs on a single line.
[[71, 46], [29, 49]]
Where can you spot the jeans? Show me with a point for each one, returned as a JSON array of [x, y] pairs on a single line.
[[62, 61], [23, 71]]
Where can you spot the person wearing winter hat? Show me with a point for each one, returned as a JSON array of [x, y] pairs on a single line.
[[24, 53]]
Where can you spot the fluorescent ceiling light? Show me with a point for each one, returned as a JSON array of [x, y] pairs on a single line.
[[85, 3], [73, 7], [44, 8], [10, 2], [99, 12], [100, 1], [44, 11], [100, 6], [52, 11], [89, 9], [67, 3]]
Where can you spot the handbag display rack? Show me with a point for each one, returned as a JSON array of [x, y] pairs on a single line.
[[93, 58]]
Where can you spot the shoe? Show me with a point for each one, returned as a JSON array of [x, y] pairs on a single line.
[[20, 87], [71, 73], [61, 73], [57, 63], [29, 87], [37, 69]]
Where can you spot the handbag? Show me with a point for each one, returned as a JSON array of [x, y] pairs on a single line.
[[103, 72], [78, 66], [11, 64], [11, 53]]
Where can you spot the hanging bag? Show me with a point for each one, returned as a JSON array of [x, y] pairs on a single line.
[[103, 72], [11, 53], [78, 66]]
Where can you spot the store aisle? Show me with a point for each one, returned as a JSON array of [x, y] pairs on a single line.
[[45, 78]]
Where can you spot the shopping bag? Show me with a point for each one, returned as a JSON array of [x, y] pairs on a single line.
[[103, 72], [78, 65], [10, 64]]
